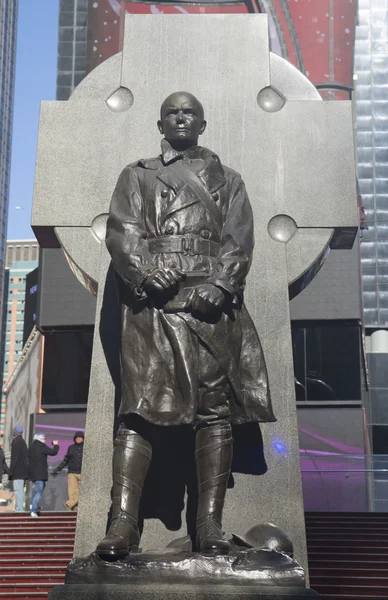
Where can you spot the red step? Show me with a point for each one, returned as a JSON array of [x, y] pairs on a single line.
[[25, 588], [38, 561], [348, 554], [35, 578], [32, 570]]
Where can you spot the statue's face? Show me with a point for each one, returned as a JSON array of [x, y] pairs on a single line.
[[181, 119]]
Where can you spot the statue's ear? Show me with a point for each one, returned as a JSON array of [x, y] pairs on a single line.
[[160, 127], [203, 127]]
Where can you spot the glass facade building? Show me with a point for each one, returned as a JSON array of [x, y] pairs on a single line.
[[72, 37], [371, 75], [371, 71], [8, 23]]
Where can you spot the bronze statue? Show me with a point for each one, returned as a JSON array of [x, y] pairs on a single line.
[[180, 233]]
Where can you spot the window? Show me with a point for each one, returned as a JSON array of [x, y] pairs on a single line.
[[26, 252], [34, 254], [18, 253], [9, 255], [326, 361]]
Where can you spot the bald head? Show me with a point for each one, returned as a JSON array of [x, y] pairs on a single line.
[[181, 119], [182, 99]]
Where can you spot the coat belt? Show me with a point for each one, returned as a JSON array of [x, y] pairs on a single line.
[[190, 245]]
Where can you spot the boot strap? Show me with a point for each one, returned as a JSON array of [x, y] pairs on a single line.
[[214, 482], [209, 526], [128, 441], [209, 448], [120, 520]]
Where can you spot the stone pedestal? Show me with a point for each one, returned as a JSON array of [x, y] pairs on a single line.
[[246, 573], [177, 592]]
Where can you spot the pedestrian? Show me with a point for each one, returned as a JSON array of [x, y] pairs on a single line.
[[73, 461], [19, 466], [3, 467], [38, 468]]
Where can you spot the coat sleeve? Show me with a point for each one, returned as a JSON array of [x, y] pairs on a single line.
[[237, 242], [63, 464], [5, 467], [15, 455], [51, 451], [126, 234]]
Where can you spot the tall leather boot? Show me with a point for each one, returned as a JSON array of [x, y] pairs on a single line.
[[131, 459], [213, 455]]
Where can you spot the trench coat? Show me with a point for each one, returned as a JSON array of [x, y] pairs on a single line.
[[190, 199], [37, 460]]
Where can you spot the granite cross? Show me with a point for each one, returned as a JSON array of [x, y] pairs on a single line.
[[295, 154]]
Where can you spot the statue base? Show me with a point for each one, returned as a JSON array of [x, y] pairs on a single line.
[[242, 566], [178, 592], [171, 574]]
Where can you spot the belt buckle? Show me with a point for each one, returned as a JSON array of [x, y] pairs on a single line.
[[188, 245]]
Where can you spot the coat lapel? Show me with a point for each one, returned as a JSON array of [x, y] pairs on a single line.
[[212, 175], [183, 196], [173, 176]]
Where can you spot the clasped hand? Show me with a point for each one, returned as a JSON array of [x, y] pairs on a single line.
[[163, 279], [203, 299]]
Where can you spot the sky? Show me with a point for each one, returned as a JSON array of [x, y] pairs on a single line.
[[36, 64]]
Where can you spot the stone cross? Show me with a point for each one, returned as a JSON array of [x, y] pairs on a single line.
[[295, 154]]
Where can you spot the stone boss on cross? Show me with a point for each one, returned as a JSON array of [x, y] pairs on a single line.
[[180, 234]]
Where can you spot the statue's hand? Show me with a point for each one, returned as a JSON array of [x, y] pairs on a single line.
[[205, 298], [161, 279]]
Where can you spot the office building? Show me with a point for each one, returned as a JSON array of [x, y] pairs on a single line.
[[72, 36], [8, 23], [371, 73], [21, 258]]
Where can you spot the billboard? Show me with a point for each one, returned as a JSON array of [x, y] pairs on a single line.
[[67, 360], [30, 303], [62, 301], [321, 33]]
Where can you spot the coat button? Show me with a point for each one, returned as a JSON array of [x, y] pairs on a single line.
[[216, 196], [164, 193], [205, 234]]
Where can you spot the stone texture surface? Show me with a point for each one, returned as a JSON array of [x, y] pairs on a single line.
[[96, 480], [296, 161], [179, 592]]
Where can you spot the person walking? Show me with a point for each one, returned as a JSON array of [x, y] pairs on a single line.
[[19, 466], [3, 467], [38, 467], [73, 461]]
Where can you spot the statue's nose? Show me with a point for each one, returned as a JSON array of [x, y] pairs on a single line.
[[180, 117]]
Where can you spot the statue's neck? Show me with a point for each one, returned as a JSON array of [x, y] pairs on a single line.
[[183, 146]]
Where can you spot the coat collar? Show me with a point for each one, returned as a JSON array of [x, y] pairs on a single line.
[[212, 175]]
